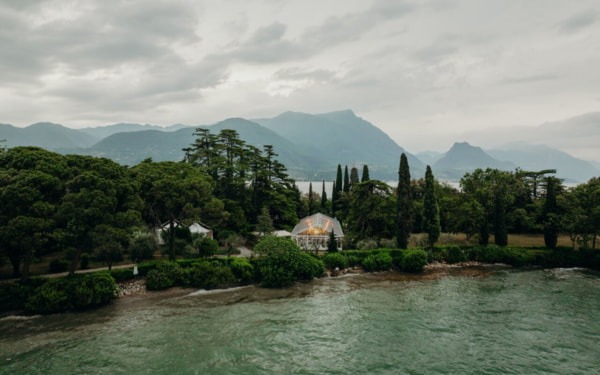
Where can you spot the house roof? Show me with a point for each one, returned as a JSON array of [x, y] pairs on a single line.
[[318, 224]]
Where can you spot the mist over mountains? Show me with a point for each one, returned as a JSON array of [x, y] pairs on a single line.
[[310, 145]]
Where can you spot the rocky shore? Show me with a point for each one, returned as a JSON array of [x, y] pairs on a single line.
[[131, 287]]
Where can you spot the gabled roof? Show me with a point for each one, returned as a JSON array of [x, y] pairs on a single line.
[[318, 224]]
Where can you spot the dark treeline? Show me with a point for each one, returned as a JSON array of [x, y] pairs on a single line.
[[85, 206], [489, 204]]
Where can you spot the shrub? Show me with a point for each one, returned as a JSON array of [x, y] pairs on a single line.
[[75, 292], [122, 274], [377, 262], [13, 295], [208, 275], [243, 270], [308, 267], [205, 246], [282, 263], [58, 265], [413, 260], [334, 260], [455, 254], [142, 247], [165, 275]]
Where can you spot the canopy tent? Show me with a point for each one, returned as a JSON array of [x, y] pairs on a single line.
[[312, 232]]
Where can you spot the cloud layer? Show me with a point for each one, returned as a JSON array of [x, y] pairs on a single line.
[[423, 71]]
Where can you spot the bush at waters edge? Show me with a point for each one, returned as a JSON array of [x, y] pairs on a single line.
[[226, 272]]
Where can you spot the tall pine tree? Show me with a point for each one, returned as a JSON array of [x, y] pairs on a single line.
[[365, 174], [346, 188], [354, 180], [550, 213], [311, 201], [431, 210], [405, 208]]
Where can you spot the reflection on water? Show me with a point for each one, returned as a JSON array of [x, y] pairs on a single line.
[[448, 321]]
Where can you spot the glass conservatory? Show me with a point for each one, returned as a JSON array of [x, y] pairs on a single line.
[[312, 232]]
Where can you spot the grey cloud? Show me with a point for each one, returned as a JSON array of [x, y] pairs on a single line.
[[529, 79], [578, 22], [268, 34], [101, 38], [436, 51], [317, 75]]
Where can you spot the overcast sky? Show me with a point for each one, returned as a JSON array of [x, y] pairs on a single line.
[[423, 71]]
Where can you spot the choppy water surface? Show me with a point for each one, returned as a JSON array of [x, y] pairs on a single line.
[[474, 321]]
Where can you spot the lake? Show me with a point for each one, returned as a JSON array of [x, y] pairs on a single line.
[[481, 320]]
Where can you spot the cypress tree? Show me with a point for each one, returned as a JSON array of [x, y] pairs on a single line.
[[365, 174], [332, 243], [550, 214], [335, 194], [405, 209], [324, 200], [431, 210], [346, 180], [354, 177], [500, 230], [311, 203], [338, 180]]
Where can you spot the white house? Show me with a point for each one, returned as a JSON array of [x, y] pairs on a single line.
[[195, 228], [312, 232]]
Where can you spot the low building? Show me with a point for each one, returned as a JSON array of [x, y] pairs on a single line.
[[312, 232], [194, 228]]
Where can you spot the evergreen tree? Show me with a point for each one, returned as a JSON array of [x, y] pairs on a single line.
[[346, 180], [332, 243], [324, 200], [500, 229], [311, 202], [354, 180], [264, 225], [431, 211], [550, 216], [335, 195], [338, 180], [405, 207], [365, 174]]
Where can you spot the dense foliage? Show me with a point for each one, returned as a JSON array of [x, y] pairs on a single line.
[[282, 263]]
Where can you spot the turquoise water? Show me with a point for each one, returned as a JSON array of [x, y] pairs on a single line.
[[470, 321]]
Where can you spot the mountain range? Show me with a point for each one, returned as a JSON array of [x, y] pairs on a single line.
[[310, 145]]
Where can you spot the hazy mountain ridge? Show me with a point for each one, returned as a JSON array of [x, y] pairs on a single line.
[[462, 158], [310, 145], [342, 137]]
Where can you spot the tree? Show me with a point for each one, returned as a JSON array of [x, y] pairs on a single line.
[[550, 214], [404, 207], [31, 187], [365, 174], [431, 211], [311, 201], [109, 252], [354, 180], [324, 208], [101, 204], [264, 226], [177, 192], [346, 188], [332, 243], [372, 210]]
